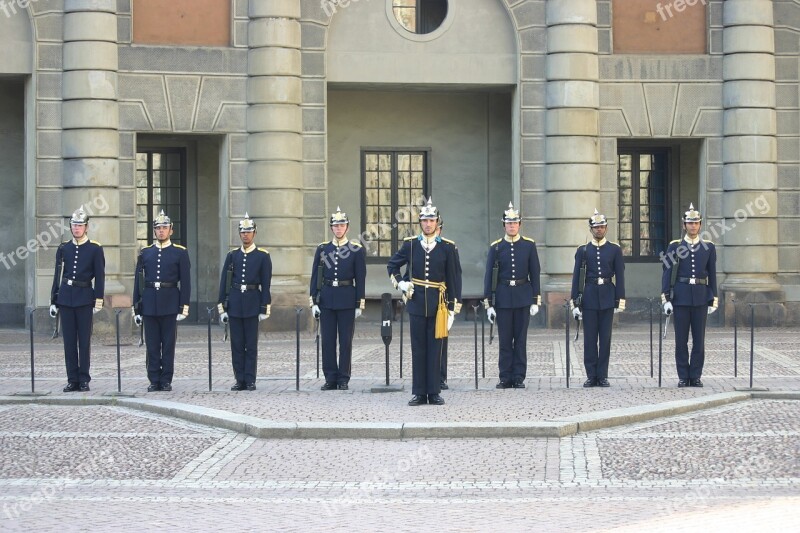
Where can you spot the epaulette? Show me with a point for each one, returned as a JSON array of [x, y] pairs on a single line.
[[179, 246], [263, 250], [529, 239], [95, 242], [410, 238], [323, 243], [614, 243], [676, 240], [356, 243], [496, 242], [709, 242], [448, 241]]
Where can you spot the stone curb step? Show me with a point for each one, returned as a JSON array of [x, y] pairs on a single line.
[[257, 427]]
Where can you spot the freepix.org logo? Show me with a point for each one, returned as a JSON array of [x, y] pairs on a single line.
[[12, 7], [51, 235]]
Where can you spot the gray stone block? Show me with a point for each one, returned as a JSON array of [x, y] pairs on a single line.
[[172, 59], [151, 91], [49, 27], [788, 149], [127, 169], [533, 66], [714, 14], [313, 63], [48, 115], [182, 95], [714, 180], [786, 95], [233, 117], [533, 149], [50, 56], [312, 36], [124, 31], [789, 203], [313, 91], [313, 175], [48, 203], [533, 122], [715, 44], [48, 85], [788, 233], [604, 42], [534, 94], [533, 178], [315, 231], [132, 117], [608, 176], [49, 172], [124, 6], [788, 176], [42, 6], [241, 32], [313, 148], [238, 176], [127, 202], [603, 14], [238, 147], [786, 41], [127, 145], [788, 122], [527, 14], [240, 8], [48, 144], [786, 69], [608, 150], [714, 150], [533, 41], [313, 119], [314, 203]]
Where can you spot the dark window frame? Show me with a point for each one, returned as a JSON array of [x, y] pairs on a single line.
[[426, 188], [180, 236], [636, 150], [424, 13]]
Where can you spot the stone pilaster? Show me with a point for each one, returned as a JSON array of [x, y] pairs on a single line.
[[749, 201], [275, 148], [90, 122], [572, 150]]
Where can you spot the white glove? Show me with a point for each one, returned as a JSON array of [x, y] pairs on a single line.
[[223, 318], [617, 310], [404, 286], [315, 311], [711, 309], [534, 310], [667, 308], [358, 312], [491, 315], [451, 319], [262, 317], [181, 317], [95, 310], [53, 311], [137, 319], [577, 314]]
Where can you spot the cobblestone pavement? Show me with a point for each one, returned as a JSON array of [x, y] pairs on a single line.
[[102, 467]]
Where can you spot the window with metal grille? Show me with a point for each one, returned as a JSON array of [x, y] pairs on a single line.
[[643, 184], [420, 16], [394, 185], [160, 184]]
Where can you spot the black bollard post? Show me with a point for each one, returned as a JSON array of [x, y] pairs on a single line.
[[650, 306], [752, 339], [566, 321], [660, 342], [386, 326], [30, 322], [483, 342], [209, 310], [475, 321], [297, 310], [735, 341], [402, 321], [119, 359]]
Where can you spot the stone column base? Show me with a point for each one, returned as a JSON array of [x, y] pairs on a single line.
[[770, 299]]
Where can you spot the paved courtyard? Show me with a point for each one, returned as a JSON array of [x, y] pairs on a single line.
[[97, 464]]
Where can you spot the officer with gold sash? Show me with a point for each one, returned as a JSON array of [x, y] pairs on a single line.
[[431, 301], [244, 301], [689, 289], [515, 299], [603, 295], [338, 274], [78, 262], [164, 269]]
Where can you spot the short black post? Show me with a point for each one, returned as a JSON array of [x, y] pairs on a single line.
[[475, 321], [402, 321], [119, 360], [735, 341], [650, 306], [752, 339], [660, 343], [298, 311], [566, 321], [209, 310], [483, 342], [30, 322], [386, 326]]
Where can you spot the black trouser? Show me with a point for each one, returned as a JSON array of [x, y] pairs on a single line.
[[694, 318], [426, 355], [512, 328], [244, 348], [160, 336], [76, 328], [335, 323], [597, 325], [444, 359]]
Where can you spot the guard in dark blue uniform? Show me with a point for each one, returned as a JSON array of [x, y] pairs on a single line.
[[244, 301], [515, 298], [338, 274], [78, 262], [163, 270], [443, 385], [602, 295], [431, 302], [689, 288]]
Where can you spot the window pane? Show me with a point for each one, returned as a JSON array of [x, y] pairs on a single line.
[[372, 179], [372, 216], [417, 162], [157, 161], [141, 178], [372, 197], [644, 179], [625, 214], [645, 161], [385, 249], [645, 247], [386, 197], [141, 161], [173, 161], [372, 162], [625, 197], [624, 179], [385, 180], [403, 162], [403, 180], [416, 181], [627, 247], [625, 162], [625, 231], [386, 215], [385, 162]]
